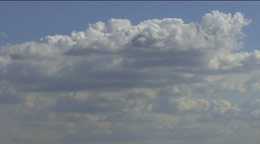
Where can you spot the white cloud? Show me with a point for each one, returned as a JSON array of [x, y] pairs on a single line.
[[189, 104], [116, 47]]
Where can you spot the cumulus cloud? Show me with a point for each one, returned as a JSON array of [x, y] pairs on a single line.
[[118, 54]]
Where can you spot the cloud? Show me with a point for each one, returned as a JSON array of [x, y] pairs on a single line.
[[239, 61], [216, 109], [188, 104], [8, 94], [159, 79], [3, 35], [116, 53]]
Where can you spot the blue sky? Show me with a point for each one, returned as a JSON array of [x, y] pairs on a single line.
[[25, 21], [129, 72]]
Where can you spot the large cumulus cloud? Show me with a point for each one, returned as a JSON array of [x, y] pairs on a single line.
[[118, 54]]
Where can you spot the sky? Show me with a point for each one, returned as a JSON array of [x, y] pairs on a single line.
[[129, 72]]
